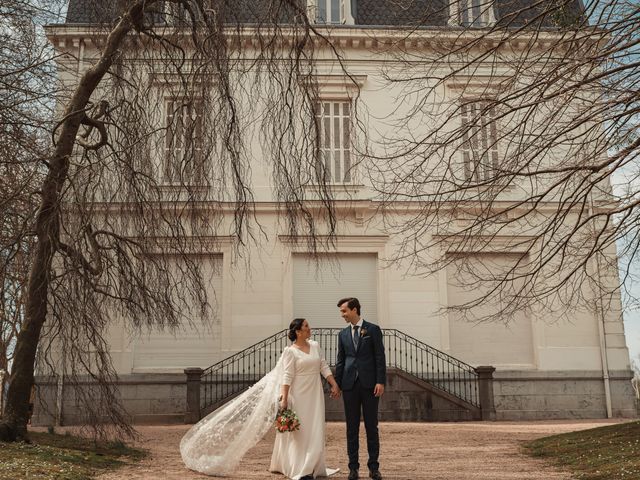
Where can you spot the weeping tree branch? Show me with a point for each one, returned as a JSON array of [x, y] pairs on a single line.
[[116, 235]]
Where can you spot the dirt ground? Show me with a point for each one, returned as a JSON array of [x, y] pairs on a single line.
[[451, 451]]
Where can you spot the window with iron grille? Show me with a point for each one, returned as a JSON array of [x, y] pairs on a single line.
[[476, 13], [332, 11], [183, 156], [333, 119], [479, 140]]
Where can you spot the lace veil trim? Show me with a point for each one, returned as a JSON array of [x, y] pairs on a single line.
[[216, 444]]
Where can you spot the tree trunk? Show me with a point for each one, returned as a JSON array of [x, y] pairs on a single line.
[[16, 415]]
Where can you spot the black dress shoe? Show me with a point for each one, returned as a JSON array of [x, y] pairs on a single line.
[[307, 477], [353, 474], [375, 474]]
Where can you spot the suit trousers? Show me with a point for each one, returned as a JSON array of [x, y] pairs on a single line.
[[357, 400]]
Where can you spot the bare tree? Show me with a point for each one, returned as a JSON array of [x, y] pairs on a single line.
[[520, 139], [27, 79], [119, 228], [506, 138]]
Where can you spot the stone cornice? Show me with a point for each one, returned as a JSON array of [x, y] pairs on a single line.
[[339, 241], [371, 39], [358, 205]]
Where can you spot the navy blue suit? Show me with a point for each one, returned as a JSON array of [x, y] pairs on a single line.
[[358, 370]]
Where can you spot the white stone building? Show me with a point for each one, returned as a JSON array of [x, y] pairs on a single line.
[[544, 368]]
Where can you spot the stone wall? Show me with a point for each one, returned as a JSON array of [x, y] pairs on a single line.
[[518, 395], [149, 399], [535, 395], [405, 401]]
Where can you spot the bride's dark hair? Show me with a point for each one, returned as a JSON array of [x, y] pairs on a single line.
[[295, 325]]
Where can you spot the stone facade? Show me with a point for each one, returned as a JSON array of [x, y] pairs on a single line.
[[154, 398], [148, 398], [546, 367], [561, 394]]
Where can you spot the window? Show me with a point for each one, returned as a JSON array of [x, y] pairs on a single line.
[[183, 156], [335, 12], [474, 13], [479, 140], [176, 15], [333, 120]]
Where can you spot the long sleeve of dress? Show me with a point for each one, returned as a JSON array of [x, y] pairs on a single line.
[[288, 366], [325, 371]]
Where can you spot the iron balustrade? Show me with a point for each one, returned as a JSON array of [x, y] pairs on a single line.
[[412, 356], [233, 375], [238, 372], [431, 365]]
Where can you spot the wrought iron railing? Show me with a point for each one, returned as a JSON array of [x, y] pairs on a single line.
[[238, 372], [412, 356], [429, 364]]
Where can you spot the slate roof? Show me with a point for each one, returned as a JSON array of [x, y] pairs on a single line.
[[370, 13]]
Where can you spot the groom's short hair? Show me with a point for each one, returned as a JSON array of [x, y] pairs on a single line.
[[352, 302]]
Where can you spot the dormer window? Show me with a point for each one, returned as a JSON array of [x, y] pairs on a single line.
[[472, 13], [334, 12]]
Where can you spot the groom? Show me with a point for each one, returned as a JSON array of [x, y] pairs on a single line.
[[361, 375]]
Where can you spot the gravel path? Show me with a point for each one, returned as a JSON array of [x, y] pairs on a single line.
[[447, 451]]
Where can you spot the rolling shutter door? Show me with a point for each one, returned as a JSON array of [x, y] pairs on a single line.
[[317, 287], [192, 345]]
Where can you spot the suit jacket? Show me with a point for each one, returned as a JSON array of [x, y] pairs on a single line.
[[368, 361]]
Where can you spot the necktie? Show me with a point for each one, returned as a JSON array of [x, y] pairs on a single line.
[[356, 337]]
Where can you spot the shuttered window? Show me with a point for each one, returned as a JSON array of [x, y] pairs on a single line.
[[480, 140], [334, 127], [183, 156], [196, 343], [486, 343], [476, 13], [333, 11]]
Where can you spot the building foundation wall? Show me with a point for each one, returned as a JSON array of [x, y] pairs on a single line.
[[519, 395]]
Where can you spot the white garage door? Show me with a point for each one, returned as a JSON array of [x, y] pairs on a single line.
[[507, 344], [196, 343], [317, 287]]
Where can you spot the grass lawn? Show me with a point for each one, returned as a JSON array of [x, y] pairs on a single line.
[[604, 453], [61, 457]]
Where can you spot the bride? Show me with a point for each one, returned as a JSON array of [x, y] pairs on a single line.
[[217, 443]]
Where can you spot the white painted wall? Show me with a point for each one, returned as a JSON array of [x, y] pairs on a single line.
[[255, 294]]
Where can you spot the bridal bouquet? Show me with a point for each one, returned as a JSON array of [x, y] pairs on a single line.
[[287, 421]]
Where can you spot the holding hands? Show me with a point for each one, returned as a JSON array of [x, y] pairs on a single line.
[[335, 391]]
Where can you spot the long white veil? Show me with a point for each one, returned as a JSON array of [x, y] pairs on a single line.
[[216, 444]]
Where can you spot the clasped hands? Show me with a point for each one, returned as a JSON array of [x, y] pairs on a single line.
[[377, 391], [335, 392]]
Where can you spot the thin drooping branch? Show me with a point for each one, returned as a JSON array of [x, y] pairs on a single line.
[[122, 226]]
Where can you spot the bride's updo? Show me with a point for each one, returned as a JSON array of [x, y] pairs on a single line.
[[295, 325]]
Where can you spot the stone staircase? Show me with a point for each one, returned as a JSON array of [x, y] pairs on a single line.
[[423, 383]]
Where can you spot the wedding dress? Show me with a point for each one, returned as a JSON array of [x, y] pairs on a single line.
[[301, 453], [216, 444]]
